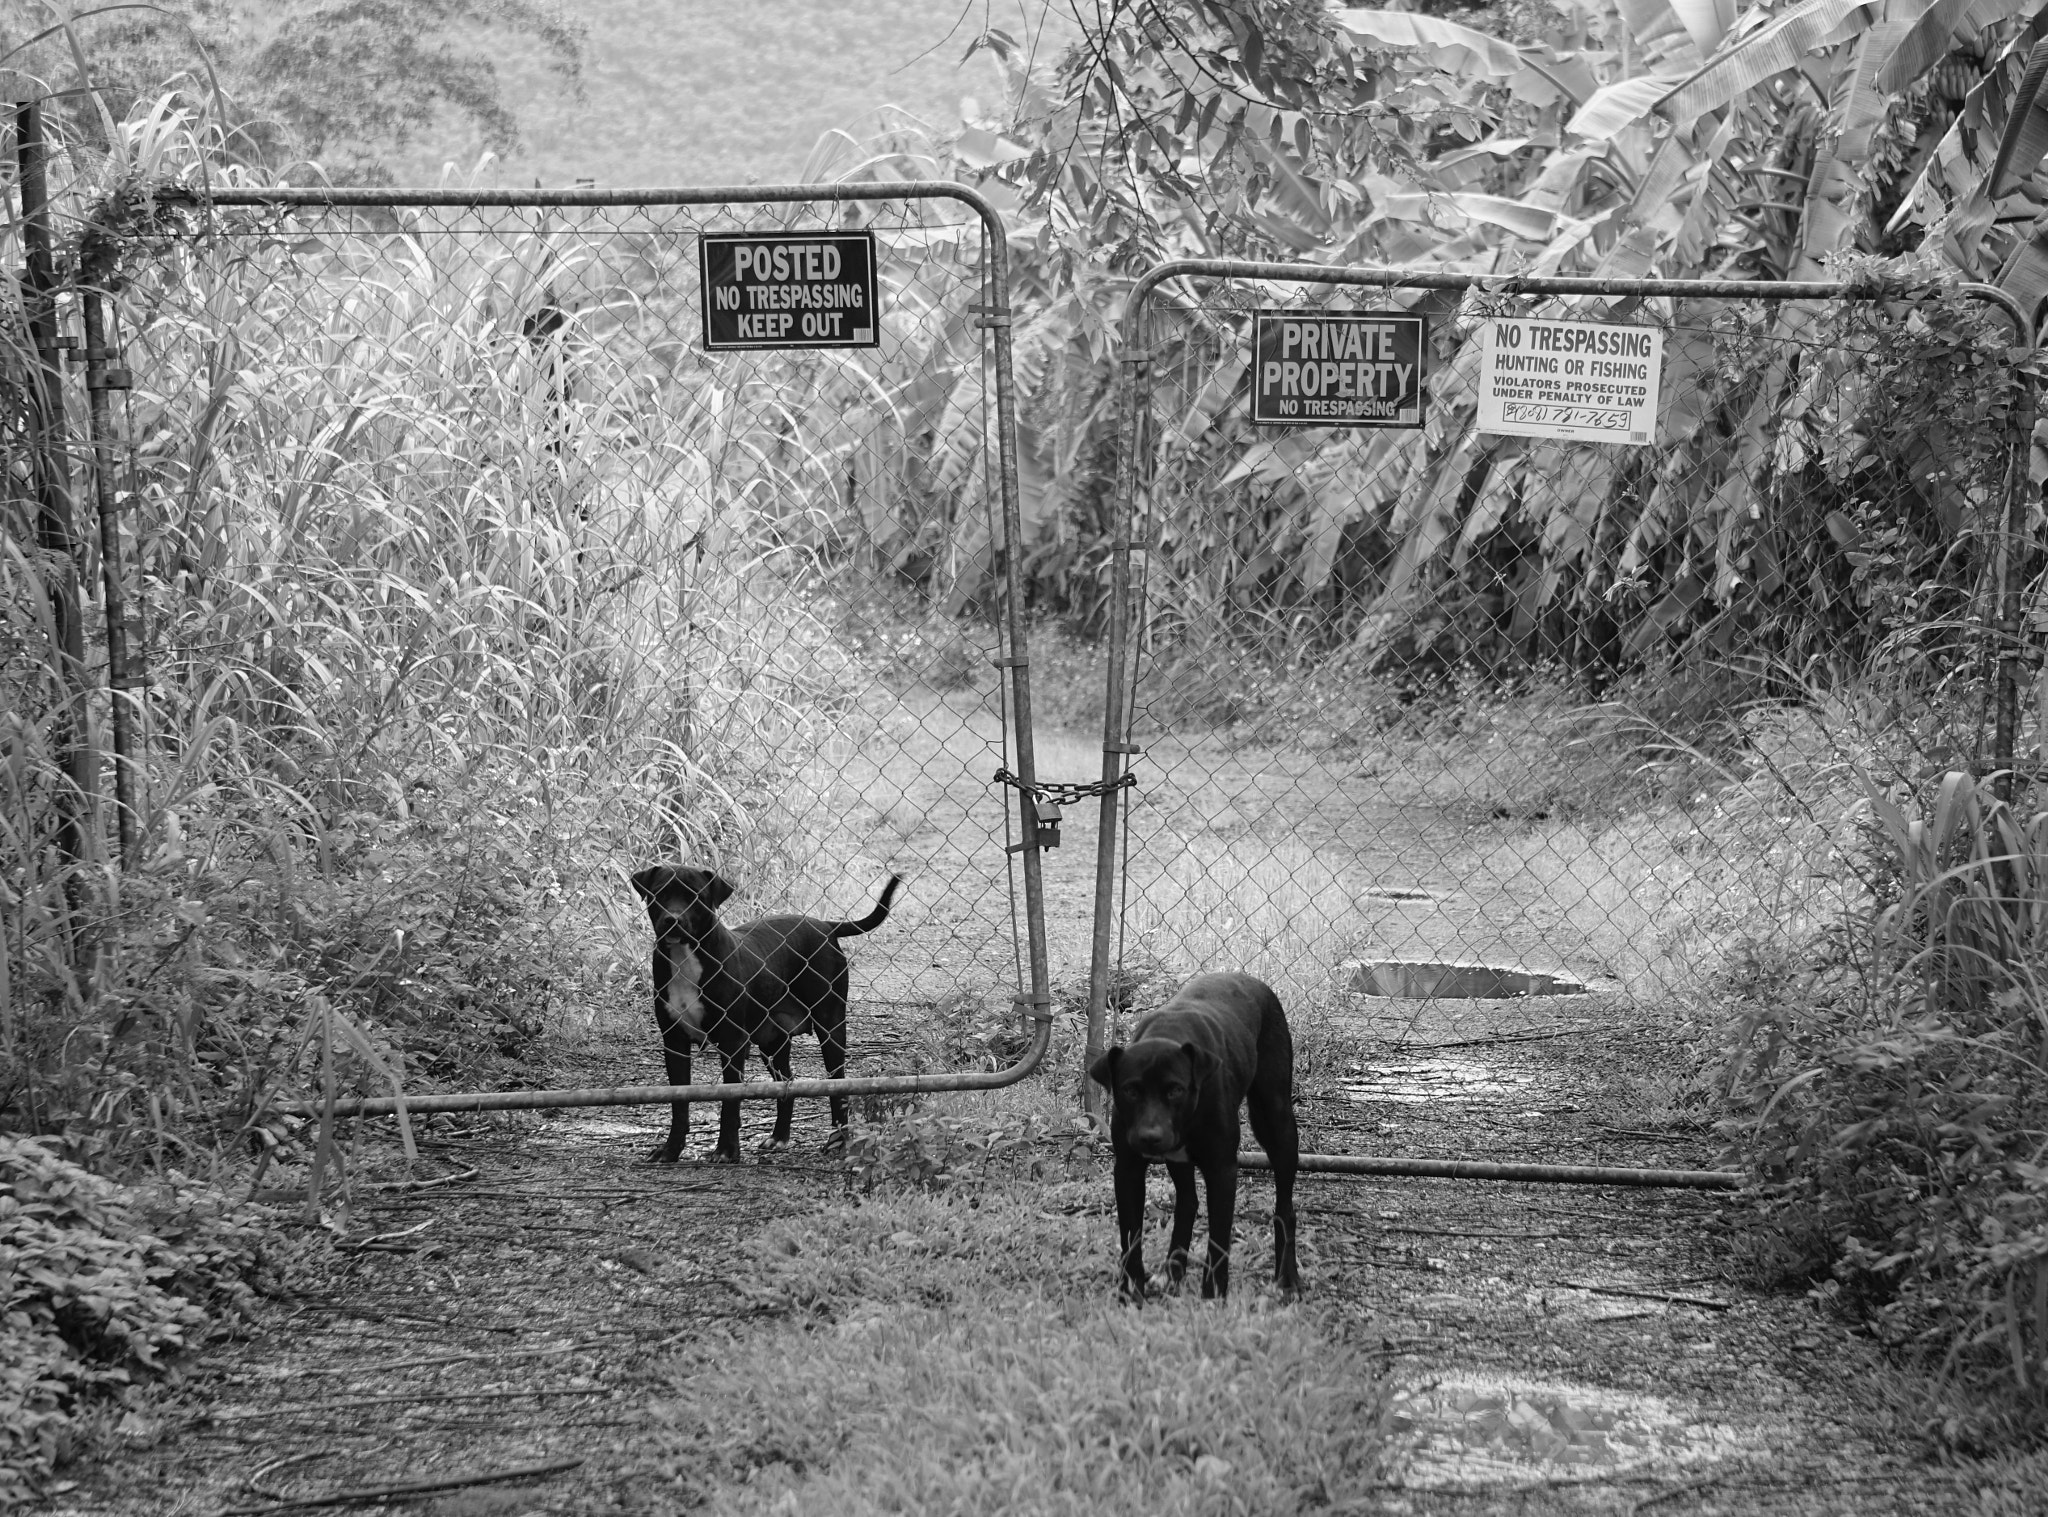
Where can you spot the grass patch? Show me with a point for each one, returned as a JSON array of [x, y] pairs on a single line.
[[965, 1353]]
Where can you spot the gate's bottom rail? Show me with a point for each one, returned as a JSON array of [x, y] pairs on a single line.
[[1479, 1169], [1041, 1040], [668, 1095]]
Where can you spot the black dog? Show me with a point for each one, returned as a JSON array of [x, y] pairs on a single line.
[[1175, 1091], [762, 984]]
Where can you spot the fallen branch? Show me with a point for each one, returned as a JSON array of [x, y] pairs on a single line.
[[438, 1359], [363, 1313], [1617, 1290], [366, 1495], [383, 1240], [467, 1174], [1672, 1493], [1638, 1132], [256, 1414]]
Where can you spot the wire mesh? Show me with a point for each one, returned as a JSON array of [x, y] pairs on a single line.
[[1432, 724], [470, 583]]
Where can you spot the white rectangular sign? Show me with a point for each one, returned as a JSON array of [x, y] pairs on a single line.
[[1577, 381]]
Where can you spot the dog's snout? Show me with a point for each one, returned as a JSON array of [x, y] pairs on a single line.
[[1153, 1133]]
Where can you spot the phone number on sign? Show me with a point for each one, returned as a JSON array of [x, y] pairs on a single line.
[[1565, 416]]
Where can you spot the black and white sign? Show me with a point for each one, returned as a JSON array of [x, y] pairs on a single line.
[[1574, 381], [1338, 368], [788, 289]]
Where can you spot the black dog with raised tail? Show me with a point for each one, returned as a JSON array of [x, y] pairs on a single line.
[[762, 983]]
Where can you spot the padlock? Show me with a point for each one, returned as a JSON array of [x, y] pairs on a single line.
[[1048, 816]]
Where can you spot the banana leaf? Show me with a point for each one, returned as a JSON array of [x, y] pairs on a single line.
[[1739, 67]]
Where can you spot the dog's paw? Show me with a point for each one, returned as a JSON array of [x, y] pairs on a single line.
[[720, 1156], [661, 1155], [771, 1145]]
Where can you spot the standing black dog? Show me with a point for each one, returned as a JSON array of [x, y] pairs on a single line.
[[1175, 1089], [762, 984]]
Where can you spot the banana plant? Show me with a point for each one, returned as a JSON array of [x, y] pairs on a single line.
[[1686, 138]]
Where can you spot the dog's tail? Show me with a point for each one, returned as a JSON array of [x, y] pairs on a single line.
[[874, 918]]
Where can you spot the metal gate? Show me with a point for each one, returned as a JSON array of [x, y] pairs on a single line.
[[467, 581], [1367, 728]]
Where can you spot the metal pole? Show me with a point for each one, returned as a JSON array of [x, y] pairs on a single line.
[[667, 1095], [1116, 737], [53, 483], [122, 682], [2011, 573], [996, 312], [1533, 1174]]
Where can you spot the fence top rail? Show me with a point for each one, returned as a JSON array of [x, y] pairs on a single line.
[[1395, 277], [729, 194]]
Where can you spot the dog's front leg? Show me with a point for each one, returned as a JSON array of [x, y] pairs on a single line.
[[1130, 1224], [1220, 1179], [675, 1054], [734, 1070], [1183, 1175]]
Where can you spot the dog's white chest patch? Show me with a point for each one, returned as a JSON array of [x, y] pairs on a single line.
[[684, 998]]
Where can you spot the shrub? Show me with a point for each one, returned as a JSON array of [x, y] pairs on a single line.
[[1890, 1095], [99, 1287]]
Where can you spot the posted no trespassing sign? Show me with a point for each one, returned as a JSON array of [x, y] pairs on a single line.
[[1574, 381]]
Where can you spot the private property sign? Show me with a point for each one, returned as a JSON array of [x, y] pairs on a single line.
[[788, 289], [1575, 381], [1338, 368]]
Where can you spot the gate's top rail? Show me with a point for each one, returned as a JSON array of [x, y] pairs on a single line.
[[777, 194]]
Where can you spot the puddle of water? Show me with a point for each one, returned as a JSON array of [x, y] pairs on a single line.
[[1459, 1432], [1447, 1078]]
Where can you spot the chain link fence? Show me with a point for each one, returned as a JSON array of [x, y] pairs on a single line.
[[1427, 724], [468, 581]]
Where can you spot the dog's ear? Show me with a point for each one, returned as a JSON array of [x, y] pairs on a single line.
[[717, 888], [649, 880], [1103, 1070], [1201, 1063]]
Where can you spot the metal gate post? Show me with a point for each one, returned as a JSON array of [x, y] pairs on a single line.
[[996, 312], [2019, 496], [1116, 738], [102, 375], [55, 532]]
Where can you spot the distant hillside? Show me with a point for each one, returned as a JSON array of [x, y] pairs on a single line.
[[727, 91]]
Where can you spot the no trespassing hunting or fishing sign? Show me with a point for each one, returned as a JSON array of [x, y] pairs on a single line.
[[1574, 381], [788, 290]]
